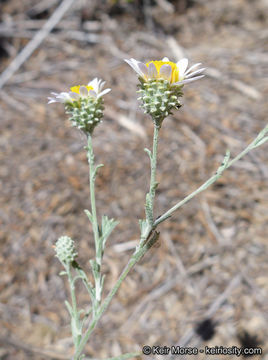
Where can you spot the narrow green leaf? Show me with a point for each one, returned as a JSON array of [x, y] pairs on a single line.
[[98, 166], [149, 153], [107, 226], [89, 215], [148, 209], [69, 308], [155, 186], [143, 225], [96, 170]]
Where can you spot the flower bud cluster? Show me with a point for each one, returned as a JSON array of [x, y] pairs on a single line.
[[65, 250], [159, 98]]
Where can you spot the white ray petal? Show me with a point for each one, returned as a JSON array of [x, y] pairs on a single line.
[[182, 66], [74, 95], [165, 71], [152, 71], [103, 92], [102, 83], [143, 68], [134, 65], [194, 73], [192, 68], [165, 59], [83, 91], [188, 80], [99, 86], [95, 84], [63, 97], [63, 94], [92, 93], [51, 100]]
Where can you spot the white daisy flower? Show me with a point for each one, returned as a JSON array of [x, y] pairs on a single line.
[[92, 89], [175, 73], [161, 84], [97, 86], [83, 104]]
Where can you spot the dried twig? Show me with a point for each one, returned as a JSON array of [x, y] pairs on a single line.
[[210, 222], [29, 348], [127, 123], [42, 6], [163, 288], [148, 15], [166, 6], [35, 42], [245, 89], [177, 50], [185, 340], [13, 103], [236, 84]]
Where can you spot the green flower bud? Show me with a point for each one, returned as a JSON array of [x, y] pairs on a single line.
[[65, 250]]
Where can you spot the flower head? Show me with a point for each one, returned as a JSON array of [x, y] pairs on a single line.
[[84, 103], [92, 90], [161, 84], [174, 73], [65, 250]]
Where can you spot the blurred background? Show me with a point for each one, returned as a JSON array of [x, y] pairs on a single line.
[[206, 283]]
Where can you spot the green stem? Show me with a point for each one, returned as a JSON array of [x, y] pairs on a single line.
[[85, 281], [147, 240], [133, 260], [251, 146], [260, 139], [92, 176], [149, 205], [75, 315], [94, 219], [153, 182]]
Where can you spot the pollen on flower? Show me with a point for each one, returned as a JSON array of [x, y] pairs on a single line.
[[173, 71], [76, 88]]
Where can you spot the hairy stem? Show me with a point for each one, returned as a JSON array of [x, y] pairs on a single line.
[[92, 176], [153, 183], [150, 236], [76, 330], [96, 266], [133, 260], [149, 204]]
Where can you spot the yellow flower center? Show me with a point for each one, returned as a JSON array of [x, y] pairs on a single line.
[[76, 89], [174, 69]]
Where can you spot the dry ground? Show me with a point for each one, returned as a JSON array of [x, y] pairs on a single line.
[[212, 261]]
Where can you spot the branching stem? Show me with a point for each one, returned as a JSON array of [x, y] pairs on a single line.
[[150, 236]]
